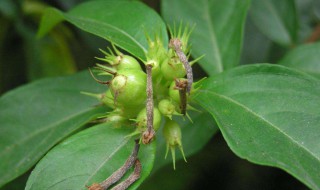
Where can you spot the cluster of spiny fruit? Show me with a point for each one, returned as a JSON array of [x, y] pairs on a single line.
[[170, 94]]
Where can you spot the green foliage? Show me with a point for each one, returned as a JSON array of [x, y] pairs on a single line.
[[305, 58], [86, 157], [114, 24], [218, 29], [276, 19], [268, 114], [37, 116]]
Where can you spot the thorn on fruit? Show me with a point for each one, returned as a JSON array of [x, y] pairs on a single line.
[[99, 81]]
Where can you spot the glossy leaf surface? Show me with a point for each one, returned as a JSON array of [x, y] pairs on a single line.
[[269, 115]]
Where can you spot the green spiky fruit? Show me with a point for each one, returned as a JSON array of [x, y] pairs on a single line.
[[167, 108], [127, 62], [120, 61], [173, 136], [106, 98], [142, 119], [128, 88], [173, 69]]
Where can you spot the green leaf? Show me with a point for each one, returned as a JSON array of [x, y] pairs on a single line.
[[218, 31], [88, 157], [306, 18], [36, 116], [305, 58], [194, 137], [269, 115], [276, 19], [256, 46], [47, 57], [124, 23]]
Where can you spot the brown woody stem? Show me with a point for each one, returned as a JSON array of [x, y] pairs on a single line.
[[181, 85], [131, 179], [176, 44], [148, 135], [117, 175]]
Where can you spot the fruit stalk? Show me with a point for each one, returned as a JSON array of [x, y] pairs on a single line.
[[117, 175], [149, 133], [176, 44]]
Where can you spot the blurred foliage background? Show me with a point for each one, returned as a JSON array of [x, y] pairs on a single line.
[[66, 50]]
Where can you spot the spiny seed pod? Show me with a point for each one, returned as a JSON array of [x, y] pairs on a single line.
[[173, 69], [106, 98], [128, 87], [167, 108], [156, 70], [183, 33], [142, 119], [120, 61], [172, 135], [114, 117], [127, 62]]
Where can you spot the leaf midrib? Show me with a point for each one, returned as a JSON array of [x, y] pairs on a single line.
[[264, 120], [108, 157]]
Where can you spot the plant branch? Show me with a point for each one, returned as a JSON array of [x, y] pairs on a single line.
[[148, 135], [131, 179], [177, 46], [181, 85], [117, 175]]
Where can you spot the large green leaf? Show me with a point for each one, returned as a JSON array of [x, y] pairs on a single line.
[[218, 30], [269, 115], [88, 157], [276, 19], [36, 116], [305, 58], [124, 23]]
